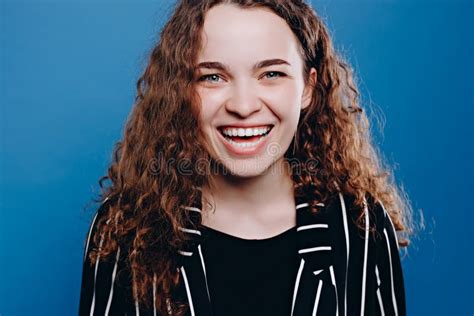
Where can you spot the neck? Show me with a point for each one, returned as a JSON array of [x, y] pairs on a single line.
[[268, 196]]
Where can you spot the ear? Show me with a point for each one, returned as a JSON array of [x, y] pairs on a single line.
[[308, 90]]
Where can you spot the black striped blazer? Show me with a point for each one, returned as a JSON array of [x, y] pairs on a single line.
[[342, 270]]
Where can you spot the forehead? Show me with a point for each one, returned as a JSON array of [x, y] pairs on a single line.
[[234, 34]]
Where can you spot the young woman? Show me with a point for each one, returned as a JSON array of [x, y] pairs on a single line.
[[246, 182]]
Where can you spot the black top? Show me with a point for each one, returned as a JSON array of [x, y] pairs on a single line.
[[250, 276]]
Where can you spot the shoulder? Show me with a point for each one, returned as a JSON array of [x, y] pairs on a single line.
[[354, 220], [361, 233], [106, 282], [99, 215], [365, 249]]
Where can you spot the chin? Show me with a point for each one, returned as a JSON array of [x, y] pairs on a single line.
[[247, 168]]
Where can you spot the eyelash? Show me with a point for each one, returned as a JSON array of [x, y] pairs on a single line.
[[279, 73]]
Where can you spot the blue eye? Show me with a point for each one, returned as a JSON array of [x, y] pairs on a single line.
[[278, 73], [204, 78]]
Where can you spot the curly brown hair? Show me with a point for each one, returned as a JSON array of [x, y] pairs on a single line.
[[146, 180]]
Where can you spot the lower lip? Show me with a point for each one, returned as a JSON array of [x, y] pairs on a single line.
[[245, 151]]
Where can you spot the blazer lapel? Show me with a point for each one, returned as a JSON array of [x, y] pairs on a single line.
[[192, 266], [315, 287]]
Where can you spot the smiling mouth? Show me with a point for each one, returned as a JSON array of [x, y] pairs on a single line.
[[245, 135]]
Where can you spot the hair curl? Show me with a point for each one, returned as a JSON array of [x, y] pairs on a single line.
[[147, 183]]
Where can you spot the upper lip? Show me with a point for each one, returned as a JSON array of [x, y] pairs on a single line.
[[245, 125]]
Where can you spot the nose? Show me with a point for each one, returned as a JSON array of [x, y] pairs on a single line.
[[244, 100]]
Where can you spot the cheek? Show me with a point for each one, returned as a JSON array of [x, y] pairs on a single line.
[[208, 108], [285, 103]]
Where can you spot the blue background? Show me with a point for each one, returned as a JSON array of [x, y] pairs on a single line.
[[68, 73]]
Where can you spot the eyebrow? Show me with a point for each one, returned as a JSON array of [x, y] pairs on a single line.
[[258, 65]]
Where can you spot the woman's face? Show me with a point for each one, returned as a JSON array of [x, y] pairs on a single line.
[[250, 81]]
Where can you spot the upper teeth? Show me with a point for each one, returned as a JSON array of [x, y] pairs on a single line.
[[245, 131]]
